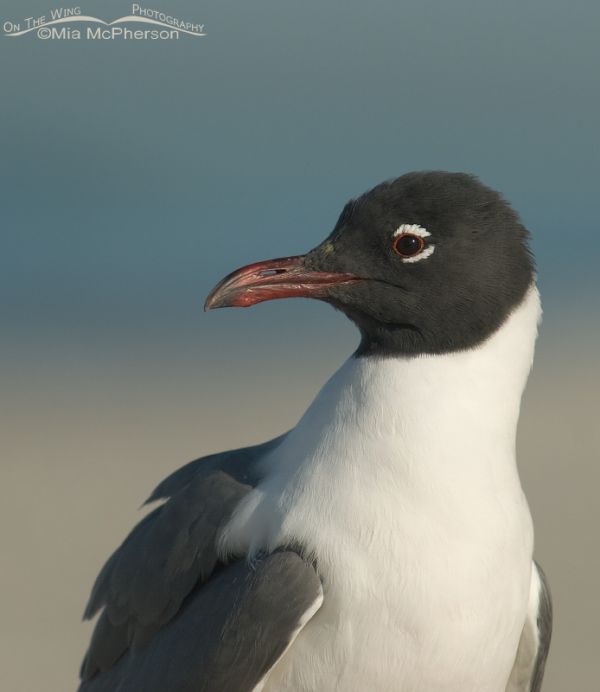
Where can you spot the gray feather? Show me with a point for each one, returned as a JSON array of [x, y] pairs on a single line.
[[544, 624], [168, 562], [144, 583], [530, 660], [230, 632], [240, 464]]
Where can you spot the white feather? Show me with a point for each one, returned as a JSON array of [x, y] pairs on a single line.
[[401, 480], [412, 228]]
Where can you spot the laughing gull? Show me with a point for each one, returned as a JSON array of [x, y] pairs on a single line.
[[384, 543]]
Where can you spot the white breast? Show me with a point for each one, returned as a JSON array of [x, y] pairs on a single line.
[[401, 480]]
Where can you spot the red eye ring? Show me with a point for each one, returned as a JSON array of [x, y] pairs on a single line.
[[408, 244]]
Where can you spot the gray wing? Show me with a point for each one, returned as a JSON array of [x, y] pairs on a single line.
[[230, 633], [530, 662], [241, 464], [148, 586]]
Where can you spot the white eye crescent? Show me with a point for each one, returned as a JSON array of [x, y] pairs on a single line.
[[409, 242]]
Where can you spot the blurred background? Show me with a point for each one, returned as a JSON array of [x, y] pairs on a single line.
[[134, 175]]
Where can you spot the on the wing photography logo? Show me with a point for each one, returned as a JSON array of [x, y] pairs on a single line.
[[71, 24]]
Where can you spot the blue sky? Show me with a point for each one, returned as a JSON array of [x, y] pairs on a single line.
[[135, 174]]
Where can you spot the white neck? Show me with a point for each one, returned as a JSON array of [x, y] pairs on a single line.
[[424, 426]]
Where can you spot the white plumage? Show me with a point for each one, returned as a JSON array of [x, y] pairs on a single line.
[[401, 480]]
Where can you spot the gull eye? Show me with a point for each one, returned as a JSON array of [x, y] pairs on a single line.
[[408, 244]]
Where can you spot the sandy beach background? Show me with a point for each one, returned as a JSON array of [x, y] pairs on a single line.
[[89, 434]]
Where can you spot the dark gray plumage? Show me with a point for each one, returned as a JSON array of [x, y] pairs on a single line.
[[447, 303], [544, 625], [230, 633], [530, 662], [166, 578]]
